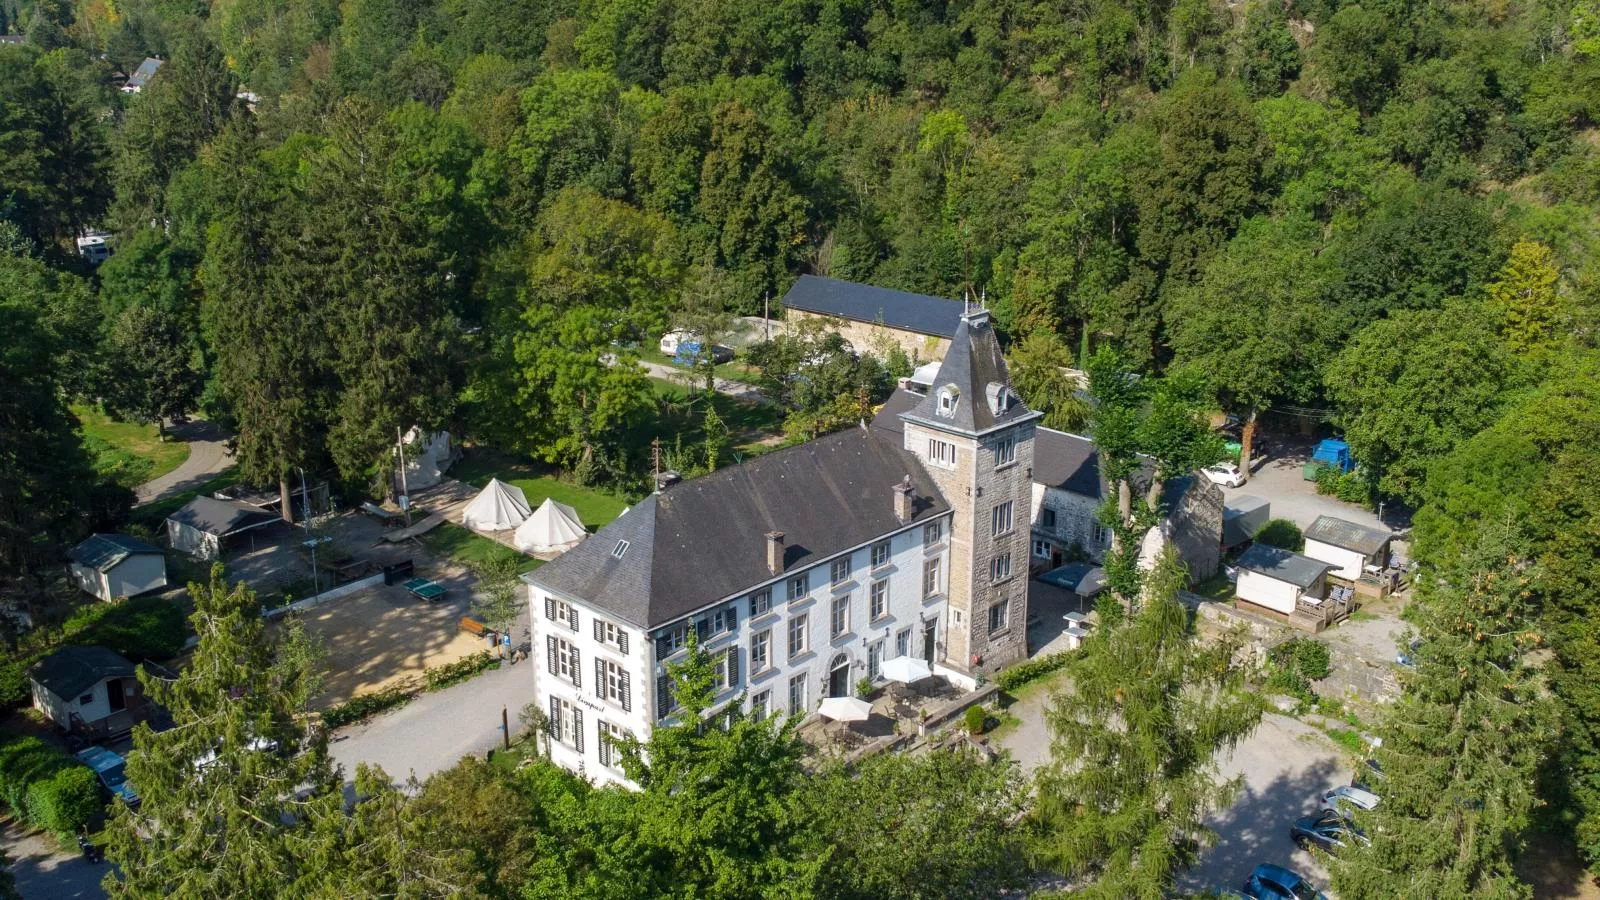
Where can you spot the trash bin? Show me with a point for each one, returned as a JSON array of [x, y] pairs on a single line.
[[398, 573]]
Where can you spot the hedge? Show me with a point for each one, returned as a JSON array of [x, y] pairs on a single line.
[[363, 705], [65, 803], [1022, 673], [459, 671]]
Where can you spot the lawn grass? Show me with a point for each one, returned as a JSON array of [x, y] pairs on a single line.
[[595, 507], [729, 371], [1217, 588], [471, 549], [1349, 740], [130, 454]]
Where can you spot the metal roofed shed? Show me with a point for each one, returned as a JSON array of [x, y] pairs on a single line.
[[1081, 578], [1242, 517], [1346, 546], [110, 566], [901, 310], [87, 690], [201, 526], [141, 75], [1277, 579]]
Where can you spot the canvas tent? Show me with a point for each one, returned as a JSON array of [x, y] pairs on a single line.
[[498, 507], [552, 528], [200, 527]]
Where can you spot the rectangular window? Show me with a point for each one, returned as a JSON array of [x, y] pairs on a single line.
[[941, 453], [1005, 452], [999, 616], [1041, 549], [561, 611], [932, 533], [761, 602], [1000, 567], [875, 660], [608, 736], [562, 660], [797, 695], [611, 683], [797, 635], [566, 723], [930, 578], [671, 641], [722, 620], [1100, 535], [760, 651], [1047, 518], [727, 668], [880, 554], [799, 586], [840, 570], [619, 551], [880, 598], [611, 633], [760, 705], [1000, 519], [841, 615], [902, 642]]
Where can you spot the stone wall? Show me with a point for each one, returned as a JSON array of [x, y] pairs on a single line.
[[865, 336]]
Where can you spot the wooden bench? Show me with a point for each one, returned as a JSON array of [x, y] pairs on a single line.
[[474, 627]]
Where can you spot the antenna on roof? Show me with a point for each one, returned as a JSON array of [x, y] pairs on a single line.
[[655, 463]]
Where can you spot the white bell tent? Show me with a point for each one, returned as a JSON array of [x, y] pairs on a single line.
[[553, 528], [499, 506]]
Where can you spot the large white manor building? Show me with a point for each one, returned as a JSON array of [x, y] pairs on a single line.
[[803, 570]]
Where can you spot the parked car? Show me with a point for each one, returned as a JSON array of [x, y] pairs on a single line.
[[1269, 882], [259, 745], [109, 768], [1224, 473], [1328, 831], [1340, 799]]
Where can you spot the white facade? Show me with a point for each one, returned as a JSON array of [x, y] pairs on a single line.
[[90, 707], [621, 670], [1268, 592], [1347, 563], [134, 575]]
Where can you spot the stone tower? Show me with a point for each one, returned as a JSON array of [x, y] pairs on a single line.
[[975, 436]]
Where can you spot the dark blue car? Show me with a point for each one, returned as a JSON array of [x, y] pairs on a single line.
[[1269, 882], [108, 767]]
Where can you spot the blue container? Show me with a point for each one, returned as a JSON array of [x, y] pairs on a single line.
[[1334, 452]]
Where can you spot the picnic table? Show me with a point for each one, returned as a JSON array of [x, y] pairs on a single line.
[[425, 589]]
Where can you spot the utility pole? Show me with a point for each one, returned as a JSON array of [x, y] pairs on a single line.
[[311, 539], [405, 490], [505, 727]]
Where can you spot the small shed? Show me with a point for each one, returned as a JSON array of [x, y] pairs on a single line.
[[142, 75], [1242, 517], [204, 523], [1349, 548], [87, 690], [1279, 580], [110, 566]]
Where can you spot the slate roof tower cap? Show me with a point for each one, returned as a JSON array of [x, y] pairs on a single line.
[[974, 394]]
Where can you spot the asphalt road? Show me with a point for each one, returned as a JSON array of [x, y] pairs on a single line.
[[43, 871], [434, 731], [208, 458]]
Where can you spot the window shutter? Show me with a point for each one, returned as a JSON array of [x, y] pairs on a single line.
[[622, 641], [572, 613], [733, 618], [625, 694], [577, 729], [599, 632], [555, 719], [550, 653], [733, 666], [577, 670], [663, 649], [601, 744], [550, 608], [663, 696], [599, 678]]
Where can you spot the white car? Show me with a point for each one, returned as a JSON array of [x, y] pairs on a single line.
[[1339, 797], [1226, 474]]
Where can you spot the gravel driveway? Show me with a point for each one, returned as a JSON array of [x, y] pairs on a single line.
[[208, 458], [43, 871]]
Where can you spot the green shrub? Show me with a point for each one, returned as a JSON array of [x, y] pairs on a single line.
[[23, 762], [863, 687], [459, 671], [141, 628], [1311, 659], [1032, 670], [1281, 533], [976, 718], [66, 802], [360, 707]]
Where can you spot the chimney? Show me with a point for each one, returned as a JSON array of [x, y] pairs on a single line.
[[775, 551], [667, 479], [903, 500]]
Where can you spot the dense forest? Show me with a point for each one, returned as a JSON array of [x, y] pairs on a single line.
[[333, 219]]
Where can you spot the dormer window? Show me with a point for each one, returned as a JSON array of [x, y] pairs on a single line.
[[949, 396], [1000, 398]]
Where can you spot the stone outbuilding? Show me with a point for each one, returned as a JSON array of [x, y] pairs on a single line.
[[921, 325]]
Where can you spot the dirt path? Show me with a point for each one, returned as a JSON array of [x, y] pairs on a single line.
[[208, 458]]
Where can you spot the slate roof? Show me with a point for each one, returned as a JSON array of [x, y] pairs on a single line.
[[1273, 562], [11, 39], [887, 419], [70, 671], [144, 73], [703, 540], [977, 369], [1068, 462], [920, 313], [1348, 535], [220, 517], [103, 552]]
